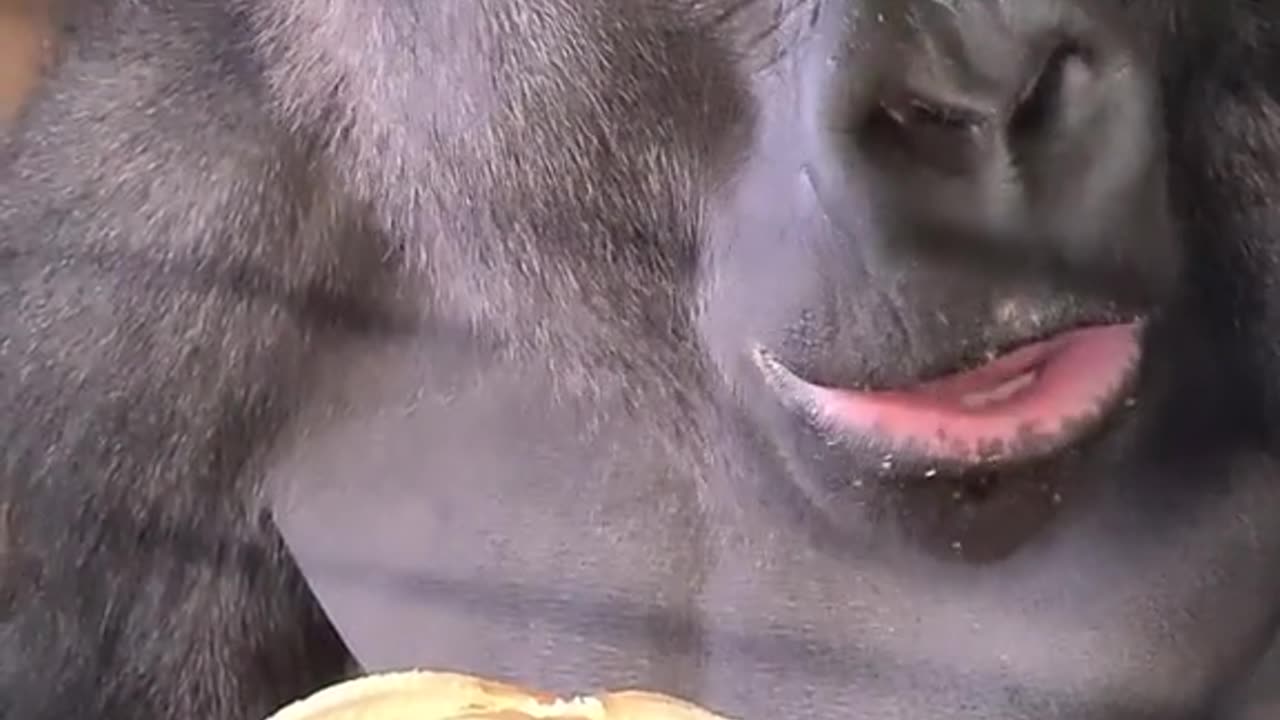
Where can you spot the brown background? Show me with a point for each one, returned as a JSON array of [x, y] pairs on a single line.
[[24, 43]]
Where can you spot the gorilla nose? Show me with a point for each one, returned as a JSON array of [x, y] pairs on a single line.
[[947, 113], [1011, 133]]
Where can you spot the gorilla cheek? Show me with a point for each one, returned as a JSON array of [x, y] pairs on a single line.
[[775, 271], [758, 278]]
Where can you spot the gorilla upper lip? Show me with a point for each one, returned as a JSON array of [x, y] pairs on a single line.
[[1034, 399]]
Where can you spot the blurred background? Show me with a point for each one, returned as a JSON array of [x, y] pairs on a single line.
[[24, 45]]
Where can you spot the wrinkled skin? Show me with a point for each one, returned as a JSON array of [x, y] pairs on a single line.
[[457, 304]]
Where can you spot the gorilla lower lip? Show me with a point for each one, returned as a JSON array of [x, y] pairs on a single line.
[[1035, 399]]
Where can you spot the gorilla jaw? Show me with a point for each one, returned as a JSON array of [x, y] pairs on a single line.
[[1034, 400]]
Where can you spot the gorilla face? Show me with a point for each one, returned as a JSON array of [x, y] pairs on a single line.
[[939, 252], [945, 287], [890, 307], [939, 397]]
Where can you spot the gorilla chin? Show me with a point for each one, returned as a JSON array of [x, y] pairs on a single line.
[[1021, 404]]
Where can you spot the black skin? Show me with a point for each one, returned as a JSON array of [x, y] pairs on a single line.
[[500, 265]]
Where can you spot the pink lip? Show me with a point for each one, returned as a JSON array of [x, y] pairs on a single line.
[[1048, 392]]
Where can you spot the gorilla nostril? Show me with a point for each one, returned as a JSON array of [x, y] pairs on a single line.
[[918, 113], [915, 114], [933, 132], [946, 128], [1066, 68]]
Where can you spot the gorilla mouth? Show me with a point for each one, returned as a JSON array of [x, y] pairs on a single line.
[[1032, 400]]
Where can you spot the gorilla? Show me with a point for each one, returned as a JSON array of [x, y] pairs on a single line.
[[821, 359]]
